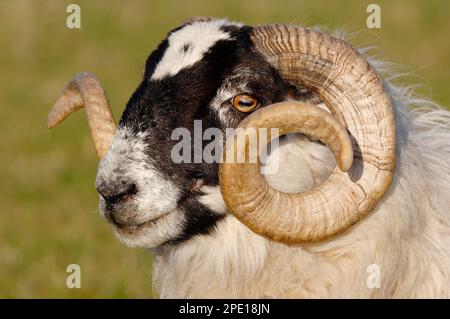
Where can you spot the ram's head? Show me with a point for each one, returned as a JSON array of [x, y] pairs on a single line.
[[230, 75]]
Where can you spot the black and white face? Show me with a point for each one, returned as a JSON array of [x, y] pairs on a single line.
[[194, 74]]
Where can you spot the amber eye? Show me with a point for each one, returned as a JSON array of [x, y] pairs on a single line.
[[245, 103]]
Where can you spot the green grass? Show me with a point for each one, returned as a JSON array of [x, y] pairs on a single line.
[[48, 214]]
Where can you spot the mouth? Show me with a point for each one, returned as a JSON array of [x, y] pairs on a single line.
[[130, 227]]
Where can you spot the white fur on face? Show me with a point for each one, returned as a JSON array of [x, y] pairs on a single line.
[[152, 210], [213, 199], [188, 46], [152, 235]]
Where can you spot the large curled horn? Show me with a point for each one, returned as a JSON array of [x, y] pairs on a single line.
[[354, 93], [86, 91]]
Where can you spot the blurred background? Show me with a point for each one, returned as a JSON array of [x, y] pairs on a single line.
[[48, 204]]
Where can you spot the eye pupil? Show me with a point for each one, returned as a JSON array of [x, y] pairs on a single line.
[[245, 103]]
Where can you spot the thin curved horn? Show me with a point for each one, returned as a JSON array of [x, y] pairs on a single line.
[[354, 93], [84, 90]]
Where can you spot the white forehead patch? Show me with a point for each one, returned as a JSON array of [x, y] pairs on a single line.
[[188, 45]]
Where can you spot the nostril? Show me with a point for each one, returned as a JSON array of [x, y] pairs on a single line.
[[127, 189], [119, 192]]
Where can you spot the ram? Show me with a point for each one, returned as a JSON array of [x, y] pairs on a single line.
[[357, 207]]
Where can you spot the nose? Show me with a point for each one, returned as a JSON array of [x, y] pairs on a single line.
[[117, 191]]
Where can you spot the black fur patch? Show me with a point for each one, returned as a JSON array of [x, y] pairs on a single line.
[[186, 47]]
